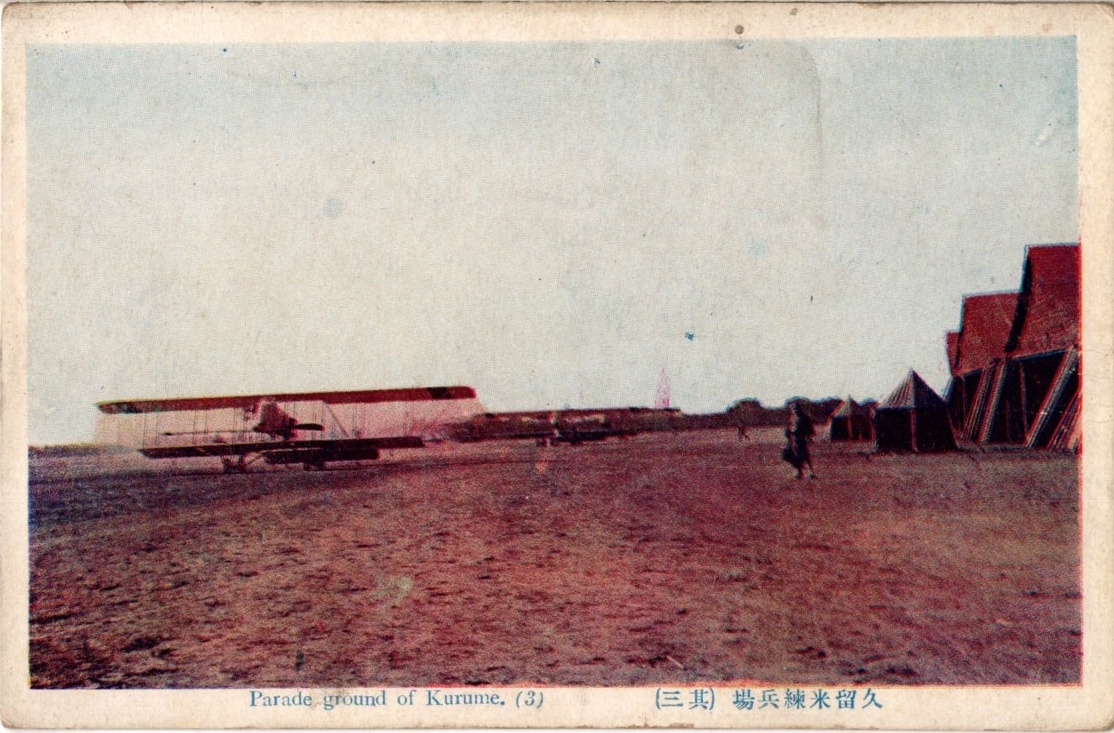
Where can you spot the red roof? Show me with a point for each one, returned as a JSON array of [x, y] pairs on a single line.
[[415, 394], [951, 343], [1048, 313], [985, 326]]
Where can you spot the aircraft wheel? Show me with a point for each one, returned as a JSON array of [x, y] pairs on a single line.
[[231, 466]]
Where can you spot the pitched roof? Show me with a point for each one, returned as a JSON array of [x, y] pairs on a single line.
[[912, 394], [850, 408], [984, 327], [1047, 315], [951, 343]]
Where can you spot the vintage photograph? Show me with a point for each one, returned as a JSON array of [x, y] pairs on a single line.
[[741, 370]]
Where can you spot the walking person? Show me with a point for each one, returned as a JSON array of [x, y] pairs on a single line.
[[742, 428], [800, 433]]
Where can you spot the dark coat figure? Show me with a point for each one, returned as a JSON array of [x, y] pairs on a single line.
[[799, 434]]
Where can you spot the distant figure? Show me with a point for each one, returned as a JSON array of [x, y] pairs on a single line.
[[800, 433], [741, 427]]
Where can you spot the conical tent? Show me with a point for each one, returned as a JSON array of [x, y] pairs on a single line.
[[913, 418], [850, 421]]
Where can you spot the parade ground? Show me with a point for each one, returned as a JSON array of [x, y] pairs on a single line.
[[680, 558]]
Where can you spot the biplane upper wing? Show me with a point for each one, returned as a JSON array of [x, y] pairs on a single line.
[[178, 404]]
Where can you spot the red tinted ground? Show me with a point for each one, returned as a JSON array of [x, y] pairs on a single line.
[[668, 557]]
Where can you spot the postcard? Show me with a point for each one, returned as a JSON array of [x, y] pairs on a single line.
[[705, 365]]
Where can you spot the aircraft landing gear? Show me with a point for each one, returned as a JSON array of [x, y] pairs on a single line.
[[235, 465]]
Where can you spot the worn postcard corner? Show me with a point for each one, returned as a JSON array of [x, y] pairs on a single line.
[[557, 365]]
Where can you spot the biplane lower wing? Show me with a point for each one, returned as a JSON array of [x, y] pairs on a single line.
[[296, 450]]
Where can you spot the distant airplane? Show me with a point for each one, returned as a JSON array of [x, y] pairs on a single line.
[[268, 427], [572, 426]]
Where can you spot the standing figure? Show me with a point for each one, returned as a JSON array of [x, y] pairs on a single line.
[[800, 433]]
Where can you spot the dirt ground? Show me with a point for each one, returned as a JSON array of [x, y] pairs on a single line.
[[663, 558]]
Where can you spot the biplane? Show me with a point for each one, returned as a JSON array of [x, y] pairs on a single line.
[[310, 428], [572, 426]]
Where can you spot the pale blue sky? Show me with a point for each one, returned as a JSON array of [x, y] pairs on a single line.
[[552, 223]]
